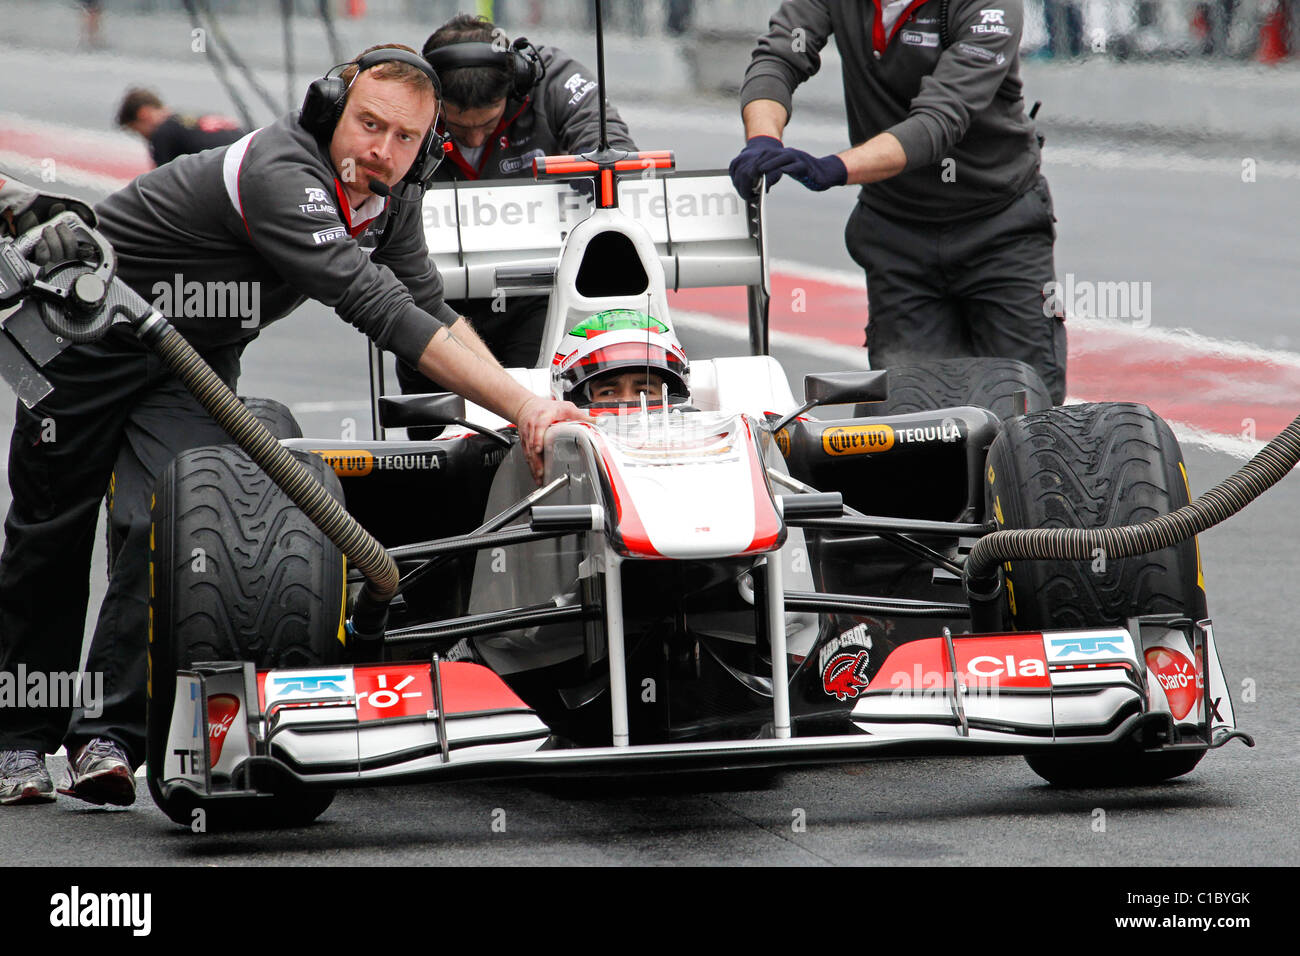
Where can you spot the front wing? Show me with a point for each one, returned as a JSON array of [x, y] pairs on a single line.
[[993, 694]]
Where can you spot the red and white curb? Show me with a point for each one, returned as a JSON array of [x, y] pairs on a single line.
[[1228, 396]]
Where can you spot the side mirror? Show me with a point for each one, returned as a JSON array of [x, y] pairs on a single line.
[[839, 388], [434, 408]]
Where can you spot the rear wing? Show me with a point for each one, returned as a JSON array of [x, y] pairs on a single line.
[[502, 237], [497, 237]]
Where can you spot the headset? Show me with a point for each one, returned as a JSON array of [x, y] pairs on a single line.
[[522, 60], [323, 106]]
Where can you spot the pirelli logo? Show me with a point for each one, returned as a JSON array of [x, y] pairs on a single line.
[[329, 235], [857, 439]]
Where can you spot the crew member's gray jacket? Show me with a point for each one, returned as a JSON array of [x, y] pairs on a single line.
[[962, 103], [561, 115], [268, 214]]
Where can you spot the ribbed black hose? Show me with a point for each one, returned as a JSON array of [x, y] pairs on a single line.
[[1221, 502], [365, 553]]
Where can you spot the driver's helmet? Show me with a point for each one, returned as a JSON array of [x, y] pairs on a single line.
[[618, 340]]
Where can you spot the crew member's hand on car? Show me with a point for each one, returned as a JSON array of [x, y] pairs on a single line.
[[817, 173], [536, 415], [745, 168]]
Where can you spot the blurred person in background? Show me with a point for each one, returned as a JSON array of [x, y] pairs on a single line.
[[1212, 21], [504, 106], [92, 15], [678, 16], [1064, 20], [170, 134], [627, 14]]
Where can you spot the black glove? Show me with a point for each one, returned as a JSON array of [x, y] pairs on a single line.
[[744, 168], [57, 245], [23, 208], [817, 174]]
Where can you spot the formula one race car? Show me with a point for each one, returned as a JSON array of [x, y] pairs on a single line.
[[707, 576]]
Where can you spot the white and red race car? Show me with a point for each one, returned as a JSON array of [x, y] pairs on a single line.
[[707, 580]]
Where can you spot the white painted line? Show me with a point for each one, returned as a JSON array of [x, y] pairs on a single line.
[[30, 168], [1178, 337], [1186, 338], [846, 357], [1231, 445], [127, 146], [849, 279], [101, 66], [1131, 160]]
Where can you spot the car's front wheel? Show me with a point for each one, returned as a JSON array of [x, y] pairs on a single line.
[[239, 574], [1095, 466]]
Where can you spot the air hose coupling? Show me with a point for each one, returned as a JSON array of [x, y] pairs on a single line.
[[985, 595]]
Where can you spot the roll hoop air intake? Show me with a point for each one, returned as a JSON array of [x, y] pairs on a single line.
[[81, 303], [1269, 466]]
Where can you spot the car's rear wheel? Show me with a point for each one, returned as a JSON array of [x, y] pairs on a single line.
[[1093, 466], [277, 418], [991, 383], [239, 574]]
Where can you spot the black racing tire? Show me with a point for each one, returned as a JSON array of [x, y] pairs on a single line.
[[271, 589], [1092, 466], [946, 383], [277, 418]]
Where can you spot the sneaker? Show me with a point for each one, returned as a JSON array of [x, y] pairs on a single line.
[[100, 773], [23, 778]]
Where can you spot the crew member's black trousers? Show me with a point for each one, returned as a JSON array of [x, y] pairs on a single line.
[[973, 288], [114, 421]]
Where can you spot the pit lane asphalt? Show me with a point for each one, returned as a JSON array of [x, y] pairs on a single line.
[[1217, 249], [1237, 807]]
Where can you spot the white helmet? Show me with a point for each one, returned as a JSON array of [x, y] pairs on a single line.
[[618, 339]]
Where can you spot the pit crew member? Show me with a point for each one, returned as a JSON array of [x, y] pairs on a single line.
[[507, 104], [170, 134], [322, 204], [954, 221]]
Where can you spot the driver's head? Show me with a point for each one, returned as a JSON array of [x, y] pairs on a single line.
[[625, 387], [618, 355]]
